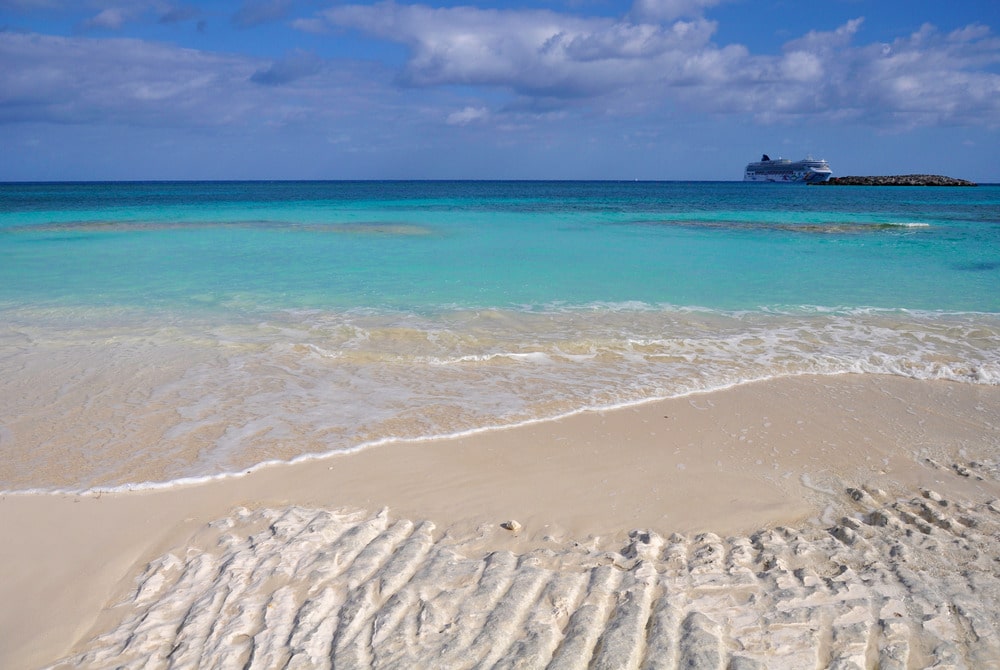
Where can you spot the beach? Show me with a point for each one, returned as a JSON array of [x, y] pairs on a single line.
[[498, 424], [813, 521], [471, 336]]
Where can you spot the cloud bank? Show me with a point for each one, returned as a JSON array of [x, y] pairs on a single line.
[[479, 66], [923, 78], [484, 87]]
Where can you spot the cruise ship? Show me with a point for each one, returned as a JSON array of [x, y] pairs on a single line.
[[783, 170]]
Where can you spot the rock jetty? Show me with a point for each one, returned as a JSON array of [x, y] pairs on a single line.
[[897, 180]]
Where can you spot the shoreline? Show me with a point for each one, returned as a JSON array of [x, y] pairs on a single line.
[[383, 443], [303, 460], [752, 457]]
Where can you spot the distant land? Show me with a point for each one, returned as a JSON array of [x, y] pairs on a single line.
[[896, 180]]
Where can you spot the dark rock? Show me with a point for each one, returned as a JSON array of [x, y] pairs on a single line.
[[896, 180]]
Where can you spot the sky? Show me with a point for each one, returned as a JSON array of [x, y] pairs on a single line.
[[495, 89]]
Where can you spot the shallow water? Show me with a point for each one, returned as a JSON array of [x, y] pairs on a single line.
[[155, 331]]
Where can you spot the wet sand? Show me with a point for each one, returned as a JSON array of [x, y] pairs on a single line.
[[812, 520]]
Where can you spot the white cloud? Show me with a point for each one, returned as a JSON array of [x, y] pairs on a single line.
[[112, 14], [532, 66], [465, 116], [81, 79], [826, 42], [109, 19], [802, 66], [544, 57], [928, 78], [133, 82], [295, 65], [976, 31], [30, 5], [667, 10], [313, 25], [538, 53]]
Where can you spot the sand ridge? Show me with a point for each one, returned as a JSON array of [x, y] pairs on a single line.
[[891, 584], [240, 565]]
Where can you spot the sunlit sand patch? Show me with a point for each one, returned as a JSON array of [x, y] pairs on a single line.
[[826, 522]]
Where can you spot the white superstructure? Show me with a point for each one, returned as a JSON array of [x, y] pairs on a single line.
[[784, 170]]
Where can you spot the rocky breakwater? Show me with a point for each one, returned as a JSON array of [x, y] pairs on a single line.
[[897, 180]]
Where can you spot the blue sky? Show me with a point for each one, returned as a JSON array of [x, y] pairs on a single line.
[[481, 89]]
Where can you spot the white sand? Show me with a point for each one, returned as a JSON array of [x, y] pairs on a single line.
[[754, 553]]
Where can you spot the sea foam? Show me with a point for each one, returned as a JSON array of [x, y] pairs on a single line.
[[158, 404]]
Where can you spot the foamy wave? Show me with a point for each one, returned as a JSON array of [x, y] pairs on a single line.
[[106, 408], [527, 357]]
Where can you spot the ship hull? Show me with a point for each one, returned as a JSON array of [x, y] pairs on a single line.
[[784, 171], [804, 177]]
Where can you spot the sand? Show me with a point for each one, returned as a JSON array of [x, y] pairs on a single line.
[[845, 521]]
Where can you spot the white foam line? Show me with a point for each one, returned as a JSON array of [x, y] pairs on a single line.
[[319, 456], [304, 458]]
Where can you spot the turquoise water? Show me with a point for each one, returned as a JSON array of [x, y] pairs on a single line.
[[420, 246], [192, 329]]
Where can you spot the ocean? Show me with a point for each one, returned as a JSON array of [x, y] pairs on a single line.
[[160, 332]]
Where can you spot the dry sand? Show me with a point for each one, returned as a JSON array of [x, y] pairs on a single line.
[[808, 522]]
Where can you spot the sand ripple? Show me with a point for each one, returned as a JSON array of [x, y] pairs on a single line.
[[894, 584]]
